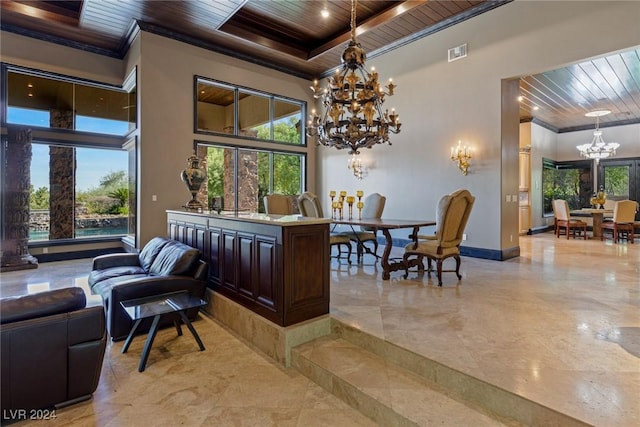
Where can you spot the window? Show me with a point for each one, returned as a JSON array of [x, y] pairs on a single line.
[[82, 179], [239, 178], [49, 102], [230, 110], [69, 202], [571, 181]]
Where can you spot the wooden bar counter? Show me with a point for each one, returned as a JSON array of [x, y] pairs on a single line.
[[276, 266]]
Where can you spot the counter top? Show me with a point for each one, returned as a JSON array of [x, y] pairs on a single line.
[[261, 218]]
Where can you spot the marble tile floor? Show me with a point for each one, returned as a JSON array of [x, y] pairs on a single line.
[[559, 325]]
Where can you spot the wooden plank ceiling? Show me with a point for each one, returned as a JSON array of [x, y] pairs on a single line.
[[291, 36]]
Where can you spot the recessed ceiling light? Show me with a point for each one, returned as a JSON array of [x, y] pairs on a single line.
[[324, 13]]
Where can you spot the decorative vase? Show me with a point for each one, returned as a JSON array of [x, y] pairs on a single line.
[[193, 176]]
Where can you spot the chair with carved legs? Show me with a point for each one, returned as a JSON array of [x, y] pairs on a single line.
[[452, 214]]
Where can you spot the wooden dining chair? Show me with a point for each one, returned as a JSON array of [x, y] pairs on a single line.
[[373, 208], [623, 223], [309, 206], [572, 227], [452, 214]]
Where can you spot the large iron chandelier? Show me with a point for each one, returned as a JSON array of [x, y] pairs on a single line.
[[598, 149], [353, 99]]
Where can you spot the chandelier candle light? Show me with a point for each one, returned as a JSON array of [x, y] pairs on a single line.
[[461, 154], [353, 99], [598, 149]]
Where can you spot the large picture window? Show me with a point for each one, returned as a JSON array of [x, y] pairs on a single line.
[[571, 181], [88, 200], [81, 176], [230, 110], [239, 178]]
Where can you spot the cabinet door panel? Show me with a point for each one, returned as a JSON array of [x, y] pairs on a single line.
[[245, 265], [266, 271], [215, 243], [199, 241], [228, 261]]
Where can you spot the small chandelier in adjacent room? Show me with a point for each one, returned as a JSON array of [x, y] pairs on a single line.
[[353, 99], [598, 149]]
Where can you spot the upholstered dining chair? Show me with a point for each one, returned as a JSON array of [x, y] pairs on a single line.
[[623, 222], [452, 213], [571, 227], [373, 208], [309, 206], [279, 204]]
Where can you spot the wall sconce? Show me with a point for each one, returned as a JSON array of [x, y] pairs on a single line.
[[355, 164], [461, 154]]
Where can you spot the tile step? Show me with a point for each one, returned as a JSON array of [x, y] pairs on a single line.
[[388, 394], [395, 386]]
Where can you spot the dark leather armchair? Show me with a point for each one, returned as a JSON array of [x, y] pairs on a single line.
[[162, 266], [52, 348]]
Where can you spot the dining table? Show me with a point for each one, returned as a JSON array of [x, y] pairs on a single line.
[[385, 225], [597, 215]]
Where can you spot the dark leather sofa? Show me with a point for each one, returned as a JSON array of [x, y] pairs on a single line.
[[162, 266], [51, 351]]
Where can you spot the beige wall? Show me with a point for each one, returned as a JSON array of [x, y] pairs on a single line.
[[27, 52], [440, 103]]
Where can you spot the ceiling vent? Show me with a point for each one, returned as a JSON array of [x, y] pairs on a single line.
[[457, 52]]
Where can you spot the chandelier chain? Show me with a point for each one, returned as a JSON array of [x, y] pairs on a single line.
[[354, 5]]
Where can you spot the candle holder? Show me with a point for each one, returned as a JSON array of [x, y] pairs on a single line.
[[340, 208], [350, 200], [360, 206], [359, 193], [332, 194], [461, 155]]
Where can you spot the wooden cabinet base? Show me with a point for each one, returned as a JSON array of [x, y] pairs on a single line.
[[279, 270]]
